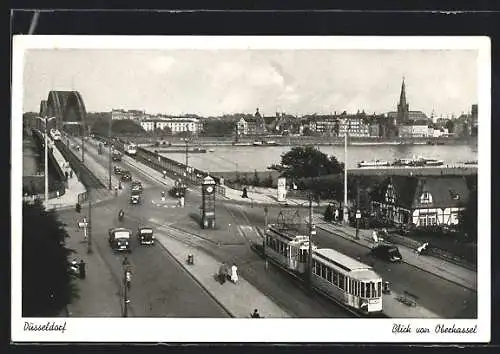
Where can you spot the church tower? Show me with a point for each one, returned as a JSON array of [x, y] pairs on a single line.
[[403, 107]]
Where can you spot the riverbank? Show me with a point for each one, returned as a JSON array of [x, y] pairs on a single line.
[[266, 141]]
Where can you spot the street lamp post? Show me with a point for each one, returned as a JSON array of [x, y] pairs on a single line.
[[110, 153], [312, 232], [126, 271], [83, 141], [46, 153], [89, 249], [346, 212]]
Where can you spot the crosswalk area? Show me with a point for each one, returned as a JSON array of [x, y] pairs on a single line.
[[165, 204]]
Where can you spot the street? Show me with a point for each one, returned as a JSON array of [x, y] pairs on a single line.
[[158, 296]]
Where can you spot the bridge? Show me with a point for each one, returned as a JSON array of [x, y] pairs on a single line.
[[68, 108]]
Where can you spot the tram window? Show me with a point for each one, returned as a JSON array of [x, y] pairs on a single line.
[[374, 289], [335, 278], [352, 287], [341, 281], [379, 288], [302, 256], [368, 290], [329, 275], [356, 288], [362, 285]]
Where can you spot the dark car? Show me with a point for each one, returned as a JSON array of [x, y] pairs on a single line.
[[119, 239], [145, 236], [117, 170], [136, 186], [126, 176], [135, 198], [387, 253]]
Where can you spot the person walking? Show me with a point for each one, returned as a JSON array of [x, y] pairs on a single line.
[[222, 273], [234, 274]]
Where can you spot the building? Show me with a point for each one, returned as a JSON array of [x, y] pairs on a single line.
[[354, 127], [375, 130], [417, 130], [255, 125], [423, 201], [242, 127], [176, 125], [120, 114], [474, 120], [325, 125], [403, 115]]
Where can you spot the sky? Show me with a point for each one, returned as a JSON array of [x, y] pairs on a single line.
[[215, 82]]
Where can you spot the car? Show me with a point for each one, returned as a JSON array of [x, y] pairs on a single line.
[[136, 186], [135, 198], [387, 252], [145, 235], [126, 175], [117, 170], [119, 239]]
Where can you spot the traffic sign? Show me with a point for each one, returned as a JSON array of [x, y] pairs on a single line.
[[358, 214], [82, 224]]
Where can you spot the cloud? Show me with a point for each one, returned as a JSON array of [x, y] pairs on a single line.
[[162, 64]]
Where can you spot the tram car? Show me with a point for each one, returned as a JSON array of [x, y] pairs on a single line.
[[349, 281], [346, 280], [288, 249]]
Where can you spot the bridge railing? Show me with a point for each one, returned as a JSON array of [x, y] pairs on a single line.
[[161, 163]]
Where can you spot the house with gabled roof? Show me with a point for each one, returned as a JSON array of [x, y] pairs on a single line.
[[422, 200]]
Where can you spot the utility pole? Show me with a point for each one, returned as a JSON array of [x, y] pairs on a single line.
[[125, 265], [89, 250], [187, 152], [110, 152], [309, 256], [83, 141], [46, 167], [346, 211], [358, 213]]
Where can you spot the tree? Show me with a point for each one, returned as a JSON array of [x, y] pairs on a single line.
[[306, 162], [256, 179], [47, 286], [268, 182], [450, 125], [468, 217]]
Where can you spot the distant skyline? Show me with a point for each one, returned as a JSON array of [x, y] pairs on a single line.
[[216, 82]]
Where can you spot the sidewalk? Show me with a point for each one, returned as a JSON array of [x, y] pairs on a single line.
[[268, 198], [449, 271], [74, 186], [238, 299], [98, 291]]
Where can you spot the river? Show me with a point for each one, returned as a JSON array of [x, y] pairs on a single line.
[[250, 158]]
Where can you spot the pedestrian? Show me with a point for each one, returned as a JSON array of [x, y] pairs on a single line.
[[222, 273], [336, 215], [374, 236], [234, 273], [70, 173], [66, 175], [57, 193]]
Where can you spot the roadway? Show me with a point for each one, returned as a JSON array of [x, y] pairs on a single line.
[[166, 290], [438, 295]]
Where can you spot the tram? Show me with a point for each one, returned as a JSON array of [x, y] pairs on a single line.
[[346, 280]]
